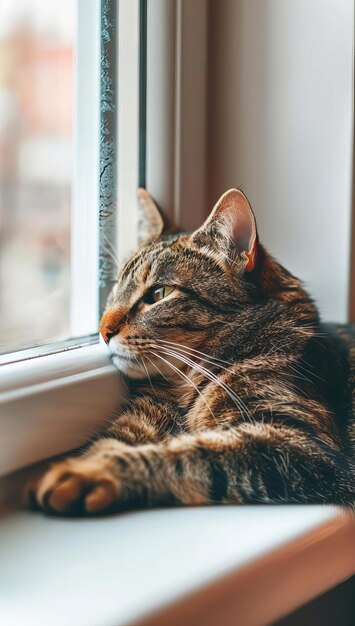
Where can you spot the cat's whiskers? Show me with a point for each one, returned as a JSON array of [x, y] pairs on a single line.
[[198, 366], [297, 388], [191, 350], [304, 369], [299, 375], [190, 355], [208, 374], [157, 368], [190, 382], [146, 370], [212, 377]]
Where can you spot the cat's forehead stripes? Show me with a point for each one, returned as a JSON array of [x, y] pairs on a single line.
[[180, 249], [142, 259]]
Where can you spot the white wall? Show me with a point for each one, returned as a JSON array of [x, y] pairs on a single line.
[[280, 126]]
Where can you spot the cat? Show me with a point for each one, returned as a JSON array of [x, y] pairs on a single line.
[[237, 395]]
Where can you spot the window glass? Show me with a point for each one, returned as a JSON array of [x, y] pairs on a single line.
[[37, 40]]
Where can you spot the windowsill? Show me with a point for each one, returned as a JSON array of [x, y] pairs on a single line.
[[172, 567], [54, 403]]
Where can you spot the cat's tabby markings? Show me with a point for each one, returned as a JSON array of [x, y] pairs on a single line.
[[238, 394]]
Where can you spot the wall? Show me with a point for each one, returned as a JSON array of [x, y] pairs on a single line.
[[280, 126]]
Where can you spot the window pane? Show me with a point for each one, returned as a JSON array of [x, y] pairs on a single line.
[[36, 115]]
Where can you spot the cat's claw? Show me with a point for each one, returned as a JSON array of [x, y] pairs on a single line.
[[76, 486]]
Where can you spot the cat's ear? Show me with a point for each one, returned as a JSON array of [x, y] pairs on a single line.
[[150, 223], [232, 227]]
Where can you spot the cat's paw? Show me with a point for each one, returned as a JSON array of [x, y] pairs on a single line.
[[77, 486]]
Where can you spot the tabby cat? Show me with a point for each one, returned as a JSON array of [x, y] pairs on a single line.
[[237, 393]]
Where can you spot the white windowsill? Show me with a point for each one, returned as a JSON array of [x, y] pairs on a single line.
[[179, 566], [54, 403]]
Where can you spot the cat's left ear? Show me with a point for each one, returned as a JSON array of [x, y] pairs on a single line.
[[151, 223], [231, 225]]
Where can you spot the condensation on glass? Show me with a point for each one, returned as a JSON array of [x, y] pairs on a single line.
[[37, 40]]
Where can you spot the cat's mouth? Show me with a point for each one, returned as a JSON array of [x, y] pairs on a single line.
[[128, 367], [141, 366], [125, 361]]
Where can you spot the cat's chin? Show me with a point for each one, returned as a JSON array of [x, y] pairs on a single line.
[[127, 368]]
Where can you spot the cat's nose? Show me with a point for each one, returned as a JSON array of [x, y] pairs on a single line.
[[106, 333], [109, 324]]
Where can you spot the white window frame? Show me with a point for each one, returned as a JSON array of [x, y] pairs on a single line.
[[177, 108], [84, 300], [52, 398], [51, 403], [128, 127]]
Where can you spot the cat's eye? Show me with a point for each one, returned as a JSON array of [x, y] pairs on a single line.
[[159, 293]]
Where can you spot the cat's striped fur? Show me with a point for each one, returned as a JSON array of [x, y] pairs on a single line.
[[237, 393]]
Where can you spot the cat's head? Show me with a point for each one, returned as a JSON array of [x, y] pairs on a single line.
[[178, 293]]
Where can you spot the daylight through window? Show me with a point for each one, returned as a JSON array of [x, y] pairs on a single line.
[[37, 42]]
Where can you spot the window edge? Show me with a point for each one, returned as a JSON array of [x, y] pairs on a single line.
[[55, 404]]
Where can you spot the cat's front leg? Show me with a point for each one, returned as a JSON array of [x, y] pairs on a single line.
[[112, 475], [91, 481], [146, 419], [249, 464]]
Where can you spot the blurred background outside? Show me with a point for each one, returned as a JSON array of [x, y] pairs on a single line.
[[266, 103], [37, 40]]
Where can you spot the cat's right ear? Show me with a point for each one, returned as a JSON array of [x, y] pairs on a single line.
[[151, 223], [231, 227]]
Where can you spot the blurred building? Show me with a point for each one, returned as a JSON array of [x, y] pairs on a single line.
[[36, 118]]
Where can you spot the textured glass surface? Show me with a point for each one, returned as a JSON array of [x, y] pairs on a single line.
[[37, 40], [108, 150]]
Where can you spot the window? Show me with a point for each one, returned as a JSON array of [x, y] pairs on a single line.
[[60, 235], [49, 172], [37, 47], [134, 93]]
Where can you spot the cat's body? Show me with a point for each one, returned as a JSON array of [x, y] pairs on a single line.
[[237, 393]]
